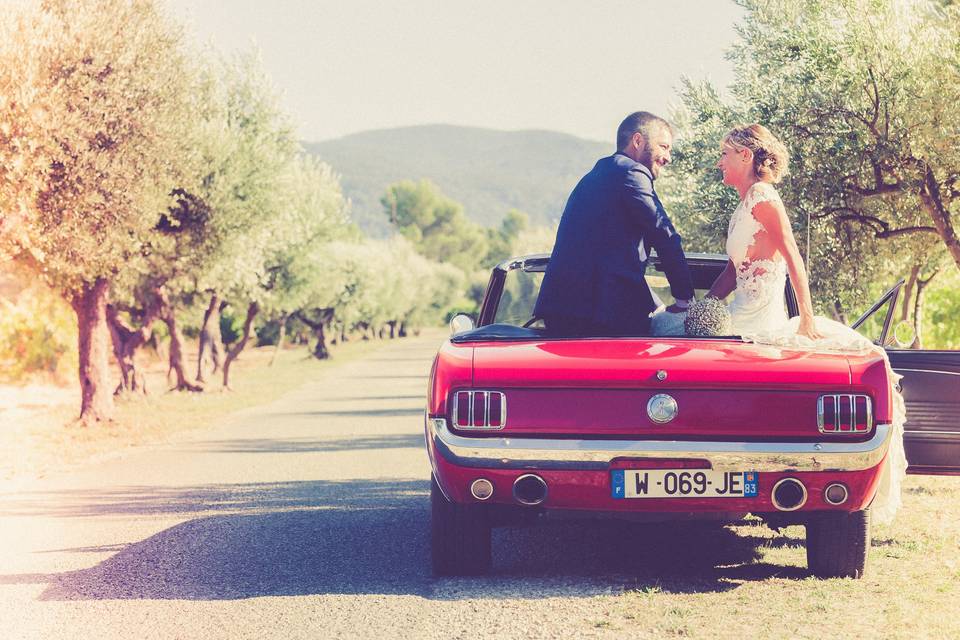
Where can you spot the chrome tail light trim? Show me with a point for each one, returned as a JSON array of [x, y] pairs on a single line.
[[484, 397], [833, 404]]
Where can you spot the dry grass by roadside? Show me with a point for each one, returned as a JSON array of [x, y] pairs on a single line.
[[747, 581], [39, 435]]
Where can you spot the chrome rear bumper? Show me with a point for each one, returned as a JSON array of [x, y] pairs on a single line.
[[537, 453]]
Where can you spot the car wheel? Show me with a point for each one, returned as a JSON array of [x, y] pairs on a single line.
[[459, 536], [838, 544]]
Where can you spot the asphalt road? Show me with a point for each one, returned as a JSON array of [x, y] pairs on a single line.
[[305, 518]]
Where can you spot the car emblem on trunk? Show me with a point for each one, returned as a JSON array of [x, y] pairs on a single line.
[[662, 408]]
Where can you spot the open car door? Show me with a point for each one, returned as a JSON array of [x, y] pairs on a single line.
[[931, 390]]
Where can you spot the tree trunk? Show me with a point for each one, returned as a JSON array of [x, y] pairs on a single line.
[[169, 316], [283, 334], [90, 305], [918, 309], [838, 313], [235, 350], [393, 329], [126, 342], [320, 351], [918, 319], [933, 203], [908, 293], [210, 337], [120, 334], [403, 330]]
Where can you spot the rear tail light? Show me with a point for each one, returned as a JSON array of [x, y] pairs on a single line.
[[479, 410], [844, 413]]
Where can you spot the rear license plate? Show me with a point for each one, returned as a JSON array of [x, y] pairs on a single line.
[[685, 483]]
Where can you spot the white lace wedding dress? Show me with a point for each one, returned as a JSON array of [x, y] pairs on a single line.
[[758, 315]]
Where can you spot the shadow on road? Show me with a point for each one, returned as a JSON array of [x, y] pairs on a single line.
[[409, 396], [311, 445], [388, 377], [372, 537], [358, 413]]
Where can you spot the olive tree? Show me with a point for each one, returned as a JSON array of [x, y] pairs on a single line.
[[315, 214], [866, 95], [92, 103]]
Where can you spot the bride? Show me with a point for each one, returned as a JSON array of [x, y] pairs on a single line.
[[762, 251]]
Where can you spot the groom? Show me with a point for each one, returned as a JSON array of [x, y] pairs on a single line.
[[594, 284]]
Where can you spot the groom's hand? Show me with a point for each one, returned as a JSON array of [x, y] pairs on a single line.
[[675, 309]]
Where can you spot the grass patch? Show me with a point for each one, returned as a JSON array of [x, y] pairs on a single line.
[[912, 582], [48, 438]]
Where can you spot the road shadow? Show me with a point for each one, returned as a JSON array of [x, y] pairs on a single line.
[[372, 537], [388, 377], [310, 445], [410, 396], [369, 413]]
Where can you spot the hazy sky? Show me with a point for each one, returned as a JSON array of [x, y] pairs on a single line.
[[572, 66]]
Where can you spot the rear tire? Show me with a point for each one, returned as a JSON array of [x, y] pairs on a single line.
[[838, 544], [459, 536]]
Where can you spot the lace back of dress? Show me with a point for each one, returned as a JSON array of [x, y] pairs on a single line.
[[756, 278]]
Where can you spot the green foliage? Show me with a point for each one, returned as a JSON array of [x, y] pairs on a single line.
[[501, 241], [866, 96], [435, 225], [941, 326], [231, 324], [85, 180], [38, 334]]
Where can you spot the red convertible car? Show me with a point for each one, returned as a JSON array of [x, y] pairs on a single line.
[[520, 426]]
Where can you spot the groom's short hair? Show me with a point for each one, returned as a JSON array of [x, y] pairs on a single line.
[[639, 121]]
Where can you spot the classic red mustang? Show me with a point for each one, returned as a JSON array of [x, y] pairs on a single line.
[[652, 428]]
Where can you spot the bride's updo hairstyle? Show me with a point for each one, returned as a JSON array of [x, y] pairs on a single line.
[[770, 157]]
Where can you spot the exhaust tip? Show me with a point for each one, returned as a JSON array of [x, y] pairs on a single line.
[[789, 494], [530, 489], [836, 493], [481, 489]]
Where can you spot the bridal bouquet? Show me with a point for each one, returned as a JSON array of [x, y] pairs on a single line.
[[707, 317]]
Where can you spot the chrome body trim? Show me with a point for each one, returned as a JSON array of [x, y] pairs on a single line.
[[538, 480], [826, 493], [946, 373], [478, 483], [931, 432], [835, 400], [662, 408], [554, 453], [803, 491], [471, 405]]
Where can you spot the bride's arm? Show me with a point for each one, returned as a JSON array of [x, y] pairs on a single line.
[[773, 217], [725, 283]]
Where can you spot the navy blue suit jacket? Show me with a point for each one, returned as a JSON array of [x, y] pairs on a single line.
[[596, 271]]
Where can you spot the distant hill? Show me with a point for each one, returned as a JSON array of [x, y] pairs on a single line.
[[489, 172]]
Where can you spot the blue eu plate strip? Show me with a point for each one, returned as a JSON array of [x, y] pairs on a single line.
[[616, 482], [751, 484]]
